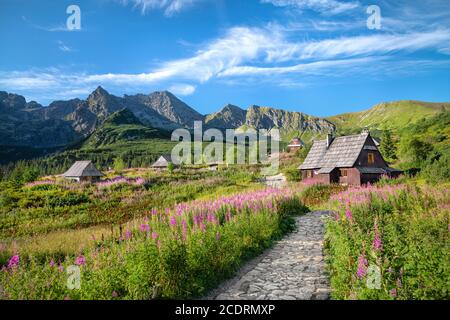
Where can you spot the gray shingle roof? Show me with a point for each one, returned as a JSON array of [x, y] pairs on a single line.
[[343, 152], [163, 161], [82, 169]]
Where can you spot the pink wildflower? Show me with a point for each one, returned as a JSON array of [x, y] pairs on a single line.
[[14, 261], [144, 228], [377, 243], [52, 263], [393, 292], [362, 267], [114, 294], [80, 260], [349, 215], [154, 235], [173, 221]]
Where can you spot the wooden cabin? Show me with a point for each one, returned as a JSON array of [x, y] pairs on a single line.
[[295, 144], [83, 171], [347, 160], [162, 162]]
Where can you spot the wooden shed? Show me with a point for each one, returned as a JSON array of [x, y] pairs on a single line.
[[83, 171], [295, 144], [347, 160], [163, 162]]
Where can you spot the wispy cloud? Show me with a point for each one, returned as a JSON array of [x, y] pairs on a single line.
[[326, 7], [56, 28], [63, 47], [252, 52], [170, 7]]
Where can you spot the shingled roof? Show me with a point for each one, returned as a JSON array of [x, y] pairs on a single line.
[[82, 169], [343, 152], [163, 161]]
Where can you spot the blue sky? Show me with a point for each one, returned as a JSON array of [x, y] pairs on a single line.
[[314, 56]]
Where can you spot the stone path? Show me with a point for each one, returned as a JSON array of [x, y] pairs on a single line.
[[293, 269]]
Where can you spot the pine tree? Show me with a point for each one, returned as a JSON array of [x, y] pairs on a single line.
[[387, 146]]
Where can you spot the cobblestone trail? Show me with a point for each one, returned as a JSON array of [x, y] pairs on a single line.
[[293, 269]]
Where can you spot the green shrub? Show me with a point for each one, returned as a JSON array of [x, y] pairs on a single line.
[[66, 198], [320, 193]]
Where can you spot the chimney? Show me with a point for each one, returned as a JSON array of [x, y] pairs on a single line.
[[329, 139]]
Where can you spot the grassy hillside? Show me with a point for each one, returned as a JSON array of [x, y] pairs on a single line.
[[388, 115]]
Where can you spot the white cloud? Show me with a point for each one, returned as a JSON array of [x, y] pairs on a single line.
[[170, 7], [246, 52], [327, 7], [182, 89]]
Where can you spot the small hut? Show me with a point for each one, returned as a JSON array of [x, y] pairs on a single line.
[[295, 144], [347, 160], [163, 162], [82, 171]]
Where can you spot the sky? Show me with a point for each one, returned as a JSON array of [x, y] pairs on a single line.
[[321, 57]]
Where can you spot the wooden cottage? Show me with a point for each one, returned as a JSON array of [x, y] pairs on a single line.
[[162, 162], [83, 171], [295, 144], [347, 160]]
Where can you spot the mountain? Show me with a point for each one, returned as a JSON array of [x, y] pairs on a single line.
[[229, 117], [168, 106], [388, 115], [103, 119], [122, 127], [65, 122], [289, 123]]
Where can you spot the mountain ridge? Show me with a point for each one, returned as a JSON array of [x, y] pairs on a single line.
[[65, 122]]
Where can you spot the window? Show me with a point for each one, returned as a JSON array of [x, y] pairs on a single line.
[[370, 158], [344, 172]]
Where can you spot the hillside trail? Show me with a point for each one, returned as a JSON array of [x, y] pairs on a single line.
[[293, 269]]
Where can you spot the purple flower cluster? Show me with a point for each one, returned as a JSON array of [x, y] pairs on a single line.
[[121, 180], [362, 195], [40, 183], [13, 262], [80, 260], [362, 267]]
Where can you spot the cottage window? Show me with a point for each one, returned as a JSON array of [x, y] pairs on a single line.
[[370, 158], [344, 172]]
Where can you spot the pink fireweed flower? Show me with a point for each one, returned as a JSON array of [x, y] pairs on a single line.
[[52, 263], [14, 261], [377, 243], [128, 235], [362, 267], [60, 268], [393, 293], [80, 260], [349, 215], [154, 235], [154, 212], [144, 228], [173, 221]]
